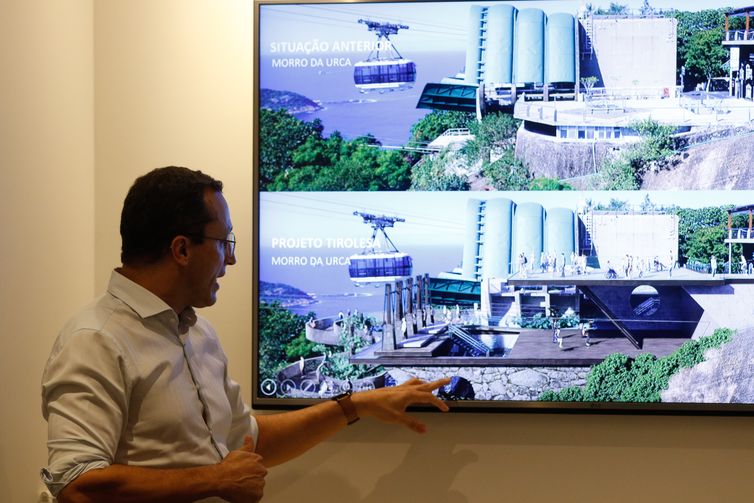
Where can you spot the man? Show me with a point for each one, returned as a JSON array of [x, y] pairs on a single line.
[[136, 393]]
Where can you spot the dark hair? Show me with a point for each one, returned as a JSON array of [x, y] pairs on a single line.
[[164, 203]]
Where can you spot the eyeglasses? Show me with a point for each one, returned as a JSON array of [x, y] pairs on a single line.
[[229, 240]]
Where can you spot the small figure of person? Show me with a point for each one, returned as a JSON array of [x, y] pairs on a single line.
[[743, 264], [585, 331], [522, 264], [713, 265], [671, 264]]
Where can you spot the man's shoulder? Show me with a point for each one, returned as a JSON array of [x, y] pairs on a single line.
[[94, 316]]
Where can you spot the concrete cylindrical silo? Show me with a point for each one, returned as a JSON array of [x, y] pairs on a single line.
[[474, 226], [497, 238], [529, 50], [528, 232], [476, 32], [560, 235], [560, 51], [498, 59]]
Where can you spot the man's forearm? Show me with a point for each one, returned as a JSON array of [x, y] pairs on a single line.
[[289, 434], [121, 483], [285, 435], [238, 477]]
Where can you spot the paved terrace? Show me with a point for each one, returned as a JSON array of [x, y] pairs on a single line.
[[535, 347], [679, 277], [690, 109]]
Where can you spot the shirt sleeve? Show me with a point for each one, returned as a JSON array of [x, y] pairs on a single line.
[[243, 423], [85, 401]]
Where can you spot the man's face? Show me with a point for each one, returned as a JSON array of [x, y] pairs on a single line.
[[209, 258]]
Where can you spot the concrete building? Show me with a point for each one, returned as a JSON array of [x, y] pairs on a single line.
[[499, 231]]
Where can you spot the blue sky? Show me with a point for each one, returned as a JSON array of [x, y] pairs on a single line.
[[437, 26], [433, 218]]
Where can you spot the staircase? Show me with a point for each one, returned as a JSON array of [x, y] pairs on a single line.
[[472, 345], [611, 316]]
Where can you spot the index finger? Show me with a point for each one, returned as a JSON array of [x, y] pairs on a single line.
[[431, 386]]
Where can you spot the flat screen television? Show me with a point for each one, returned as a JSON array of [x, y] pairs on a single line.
[[549, 202]]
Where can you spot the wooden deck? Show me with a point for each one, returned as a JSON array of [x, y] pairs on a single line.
[[534, 348]]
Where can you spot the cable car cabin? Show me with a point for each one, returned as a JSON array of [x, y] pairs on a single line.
[[384, 75], [379, 267]]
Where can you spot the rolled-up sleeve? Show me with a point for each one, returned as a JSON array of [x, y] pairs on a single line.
[[85, 401]]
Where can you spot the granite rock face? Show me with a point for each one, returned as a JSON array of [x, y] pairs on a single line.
[[726, 375], [712, 159]]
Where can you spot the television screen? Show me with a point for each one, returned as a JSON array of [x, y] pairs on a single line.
[[549, 202]]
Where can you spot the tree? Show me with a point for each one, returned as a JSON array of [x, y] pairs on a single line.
[[337, 164], [702, 233], [507, 172], [705, 54], [435, 173], [278, 327], [614, 10], [691, 24], [279, 136], [588, 83], [437, 122], [493, 132]]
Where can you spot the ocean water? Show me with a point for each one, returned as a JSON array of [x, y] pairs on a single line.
[[388, 116], [332, 287]]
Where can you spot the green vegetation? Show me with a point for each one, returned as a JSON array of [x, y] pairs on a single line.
[[626, 171], [294, 156], [700, 48], [437, 122], [280, 134], [619, 378], [588, 83], [613, 205], [614, 10], [702, 233], [278, 330], [541, 322], [494, 138], [356, 334], [507, 172], [435, 173], [282, 340], [543, 183]]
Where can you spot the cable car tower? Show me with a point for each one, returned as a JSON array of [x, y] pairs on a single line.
[[373, 266], [385, 69]]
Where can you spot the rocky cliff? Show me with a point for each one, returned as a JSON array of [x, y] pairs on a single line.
[[720, 159]]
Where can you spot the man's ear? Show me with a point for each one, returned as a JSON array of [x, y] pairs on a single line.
[[179, 249]]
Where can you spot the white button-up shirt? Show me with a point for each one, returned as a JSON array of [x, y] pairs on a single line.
[[130, 382]]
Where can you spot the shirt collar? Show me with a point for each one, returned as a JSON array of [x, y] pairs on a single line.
[[145, 303]]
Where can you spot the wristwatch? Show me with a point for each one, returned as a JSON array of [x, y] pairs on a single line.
[[347, 406]]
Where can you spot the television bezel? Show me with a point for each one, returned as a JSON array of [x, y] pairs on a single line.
[[260, 402]]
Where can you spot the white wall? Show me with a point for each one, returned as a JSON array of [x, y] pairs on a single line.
[[173, 85], [47, 212]]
